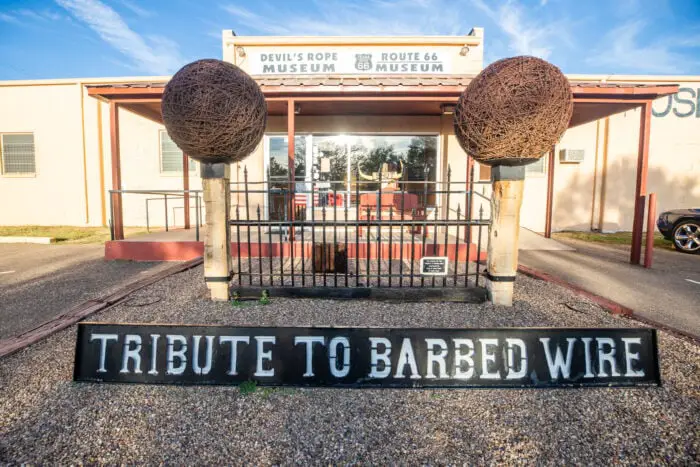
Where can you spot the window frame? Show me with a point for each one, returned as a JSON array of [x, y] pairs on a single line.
[[3, 171], [538, 174], [192, 163]]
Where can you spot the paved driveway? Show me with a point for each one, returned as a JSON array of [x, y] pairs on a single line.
[[668, 293], [38, 282]]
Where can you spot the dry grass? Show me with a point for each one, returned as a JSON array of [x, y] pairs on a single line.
[[66, 233], [618, 238]]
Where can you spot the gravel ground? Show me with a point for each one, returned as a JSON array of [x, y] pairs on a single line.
[[44, 417]]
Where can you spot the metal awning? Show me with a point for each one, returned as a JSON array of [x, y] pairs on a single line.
[[386, 95]]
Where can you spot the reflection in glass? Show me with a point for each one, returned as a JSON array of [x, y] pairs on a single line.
[[278, 172], [334, 161]]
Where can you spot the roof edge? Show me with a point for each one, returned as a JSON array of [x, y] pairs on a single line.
[[84, 81]]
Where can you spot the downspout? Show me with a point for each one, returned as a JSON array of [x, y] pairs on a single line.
[[82, 129], [596, 166], [604, 174], [100, 152]]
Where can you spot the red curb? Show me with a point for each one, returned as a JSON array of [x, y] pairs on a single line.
[[613, 307], [605, 303], [188, 250]]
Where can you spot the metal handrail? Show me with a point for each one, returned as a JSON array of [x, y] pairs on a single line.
[[165, 194]]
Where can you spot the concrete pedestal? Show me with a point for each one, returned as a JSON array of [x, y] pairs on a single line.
[[217, 241], [506, 200]]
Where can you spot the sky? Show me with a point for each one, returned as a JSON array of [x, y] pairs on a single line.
[[100, 38]]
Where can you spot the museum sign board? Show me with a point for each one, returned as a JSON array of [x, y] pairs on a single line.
[[349, 61]]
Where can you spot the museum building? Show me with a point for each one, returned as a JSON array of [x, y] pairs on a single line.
[[95, 152]]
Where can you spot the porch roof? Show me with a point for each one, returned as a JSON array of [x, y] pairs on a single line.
[[386, 95]]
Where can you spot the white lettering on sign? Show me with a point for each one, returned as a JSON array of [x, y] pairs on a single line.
[[558, 365], [512, 372], [133, 354], [264, 355], [234, 341], [380, 359], [309, 341], [416, 359], [103, 338], [343, 343], [351, 60], [461, 359], [407, 357], [198, 369]]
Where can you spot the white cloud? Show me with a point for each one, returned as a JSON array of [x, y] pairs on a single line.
[[39, 15], [137, 10], [342, 18], [154, 54], [255, 21], [9, 18], [525, 34], [620, 49], [32, 18]]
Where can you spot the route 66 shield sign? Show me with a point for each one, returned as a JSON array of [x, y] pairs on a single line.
[[363, 62]]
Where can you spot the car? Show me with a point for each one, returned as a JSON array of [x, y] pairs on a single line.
[[682, 227]]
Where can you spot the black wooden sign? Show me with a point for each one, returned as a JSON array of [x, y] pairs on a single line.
[[433, 265], [366, 357]]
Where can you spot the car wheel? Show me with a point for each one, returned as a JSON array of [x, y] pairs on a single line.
[[686, 236]]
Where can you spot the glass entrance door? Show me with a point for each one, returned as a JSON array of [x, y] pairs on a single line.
[[329, 170], [331, 162], [277, 174]]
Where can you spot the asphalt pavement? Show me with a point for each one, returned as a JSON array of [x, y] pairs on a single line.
[[668, 293], [39, 282]]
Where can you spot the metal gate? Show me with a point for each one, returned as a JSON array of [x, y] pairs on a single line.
[[359, 237]]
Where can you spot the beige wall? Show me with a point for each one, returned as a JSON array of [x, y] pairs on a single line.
[[674, 165], [67, 188], [140, 150], [55, 195]]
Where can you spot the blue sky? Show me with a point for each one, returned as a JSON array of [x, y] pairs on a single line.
[[91, 38]]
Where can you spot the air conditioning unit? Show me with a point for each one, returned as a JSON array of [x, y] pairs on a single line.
[[574, 156]]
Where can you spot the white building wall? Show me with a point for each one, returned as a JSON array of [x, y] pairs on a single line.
[[55, 194], [600, 195], [140, 158]]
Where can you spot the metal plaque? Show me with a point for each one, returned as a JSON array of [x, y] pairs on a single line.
[[366, 357], [433, 265]]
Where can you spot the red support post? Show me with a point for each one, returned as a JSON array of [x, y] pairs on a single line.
[[550, 195], [117, 210], [290, 162], [641, 187], [651, 225], [186, 187]]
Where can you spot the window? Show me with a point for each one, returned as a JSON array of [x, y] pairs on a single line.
[[17, 153], [484, 173], [537, 167], [171, 156]]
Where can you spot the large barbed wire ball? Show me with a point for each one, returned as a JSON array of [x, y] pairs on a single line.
[[214, 111], [514, 111]]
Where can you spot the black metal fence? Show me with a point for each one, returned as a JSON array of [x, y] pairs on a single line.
[[357, 233]]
